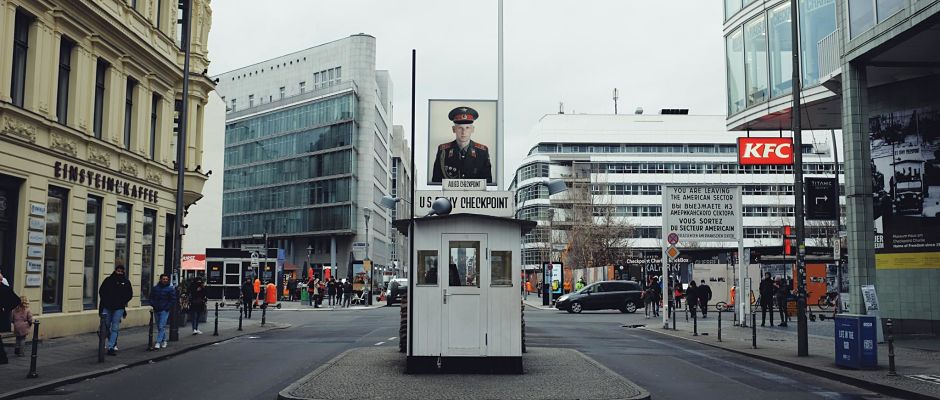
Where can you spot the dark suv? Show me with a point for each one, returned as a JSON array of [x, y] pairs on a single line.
[[604, 295]]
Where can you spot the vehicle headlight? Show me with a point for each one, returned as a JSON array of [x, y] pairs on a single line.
[[564, 297]]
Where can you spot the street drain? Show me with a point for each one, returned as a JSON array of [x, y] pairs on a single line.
[[634, 326]]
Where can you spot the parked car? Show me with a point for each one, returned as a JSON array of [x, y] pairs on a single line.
[[604, 295], [397, 288]]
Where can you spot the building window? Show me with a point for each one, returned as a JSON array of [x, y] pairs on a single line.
[[20, 51], [159, 6], [122, 234], [92, 252], [781, 51], [100, 75], [129, 111], [283, 92], [861, 16], [147, 251], [817, 21], [501, 269], [234, 105], [887, 8], [251, 100], [755, 60], [65, 70], [154, 117], [316, 80], [735, 63], [303, 86], [731, 7], [54, 262]]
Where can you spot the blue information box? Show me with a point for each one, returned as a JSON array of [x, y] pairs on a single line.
[[856, 341]]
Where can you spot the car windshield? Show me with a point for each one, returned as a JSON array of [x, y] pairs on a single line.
[[590, 289]]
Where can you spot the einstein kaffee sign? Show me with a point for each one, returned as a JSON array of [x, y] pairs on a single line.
[[702, 214]]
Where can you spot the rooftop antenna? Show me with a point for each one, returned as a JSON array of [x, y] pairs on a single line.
[[615, 101], [561, 107]]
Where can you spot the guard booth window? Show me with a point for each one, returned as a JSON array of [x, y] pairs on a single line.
[[427, 267], [501, 268], [464, 268]]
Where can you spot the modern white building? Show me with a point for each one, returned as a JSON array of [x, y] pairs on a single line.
[[624, 160], [307, 144]]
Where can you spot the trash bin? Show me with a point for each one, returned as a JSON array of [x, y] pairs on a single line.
[[304, 296], [856, 341]]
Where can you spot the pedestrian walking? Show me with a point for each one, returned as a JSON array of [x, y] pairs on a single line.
[[162, 297], [704, 296], [22, 319], [311, 290], [8, 302], [691, 298], [580, 284], [291, 288], [766, 290], [678, 294], [347, 293], [782, 292], [339, 293], [114, 294], [315, 296], [331, 291], [655, 295], [197, 303], [247, 297], [256, 288]]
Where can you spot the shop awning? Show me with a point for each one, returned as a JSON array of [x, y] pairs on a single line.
[[288, 266], [194, 262]]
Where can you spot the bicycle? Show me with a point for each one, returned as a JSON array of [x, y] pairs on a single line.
[[722, 306], [827, 300]]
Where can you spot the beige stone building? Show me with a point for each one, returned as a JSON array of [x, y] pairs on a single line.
[[88, 99]]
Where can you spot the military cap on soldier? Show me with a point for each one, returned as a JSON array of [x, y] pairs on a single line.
[[463, 115]]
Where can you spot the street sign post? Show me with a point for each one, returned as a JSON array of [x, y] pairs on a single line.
[[821, 201]]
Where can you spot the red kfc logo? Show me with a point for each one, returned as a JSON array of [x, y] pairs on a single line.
[[765, 151]]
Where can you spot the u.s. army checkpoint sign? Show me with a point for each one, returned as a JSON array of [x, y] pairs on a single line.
[[496, 203]]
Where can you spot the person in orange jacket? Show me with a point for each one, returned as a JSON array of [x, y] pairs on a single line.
[[257, 289]]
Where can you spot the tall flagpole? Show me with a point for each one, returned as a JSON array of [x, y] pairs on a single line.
[[181, 165], [801, 328], [500, 99]]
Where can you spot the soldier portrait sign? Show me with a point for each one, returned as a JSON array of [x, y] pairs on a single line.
[[462, 141]]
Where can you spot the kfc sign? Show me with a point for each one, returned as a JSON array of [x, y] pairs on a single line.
[[765, 151]]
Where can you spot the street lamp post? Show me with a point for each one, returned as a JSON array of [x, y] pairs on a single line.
[[309, 266], [367, 213]]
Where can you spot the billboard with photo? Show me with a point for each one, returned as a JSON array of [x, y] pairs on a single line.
[[462, 140], [905, 152]]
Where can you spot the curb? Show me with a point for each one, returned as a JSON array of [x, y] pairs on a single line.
[[643, 395], [284, 394], [875, 387], [44, 387]]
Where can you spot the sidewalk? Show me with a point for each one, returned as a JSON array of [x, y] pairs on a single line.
[[305, 306], [918, 368], [535, 301], [74, 358]]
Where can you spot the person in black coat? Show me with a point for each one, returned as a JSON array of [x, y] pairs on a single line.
[[704, 296], [8, 301], [331, 292], [248, 295], [197, 303], [114, 294], [783, 290], [766, 290], [691, 297]]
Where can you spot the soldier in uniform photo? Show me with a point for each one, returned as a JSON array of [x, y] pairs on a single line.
[[462, 158]]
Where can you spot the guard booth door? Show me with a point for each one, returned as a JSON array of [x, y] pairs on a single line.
[[464, 308]]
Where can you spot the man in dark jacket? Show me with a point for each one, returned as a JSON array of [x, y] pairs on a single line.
[[704, 296], [8, 301], [248, 295], [291, 288], [767, 290], [347, 293], [115, 292], [331, 291], [691, 297], [783, 291], [339, 294], [162, 298]]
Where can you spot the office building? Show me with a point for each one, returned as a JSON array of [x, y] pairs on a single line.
[[88, 97], [868, 68], [307, 142], [401, 189]]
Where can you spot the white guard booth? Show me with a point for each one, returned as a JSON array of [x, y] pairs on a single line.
[[465, 308]]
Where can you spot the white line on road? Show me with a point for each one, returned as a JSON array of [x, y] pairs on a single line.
[[393, 338], [379, 343]]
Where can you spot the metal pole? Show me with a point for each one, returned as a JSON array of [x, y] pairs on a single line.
[[838, 212], [694, 324], [801, 328], [216, 332], [500, 130], [664, 284], [240, 315], [719, 325], [181, 161], [150, 333], [411, 218], [32, 357], [264, 313], [102, 332], [891, 368], [754, 330]]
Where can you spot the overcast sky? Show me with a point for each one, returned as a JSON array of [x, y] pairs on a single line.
[[659, 54]]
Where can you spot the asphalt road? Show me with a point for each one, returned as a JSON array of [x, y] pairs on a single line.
[[257, 367]]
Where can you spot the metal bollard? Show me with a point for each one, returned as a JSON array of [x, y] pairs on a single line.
[[150, 333], [216, 332], [264, 310], [891, 368], [241, 313], [102, 332], [771, 313], [673, 318], [32, 357], [694, 324], [754, 330], [719, 325]]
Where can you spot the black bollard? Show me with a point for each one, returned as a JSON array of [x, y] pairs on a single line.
[[264, 310], [771, 314], [719, 325], [150, 333], [673, 318], [216, 332], [891, 368], [694, 324], [240, 315], [102, 333], [754, 330], [32, 357]]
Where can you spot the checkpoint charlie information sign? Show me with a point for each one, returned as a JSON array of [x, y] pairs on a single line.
[[493, 203], [702, 213]]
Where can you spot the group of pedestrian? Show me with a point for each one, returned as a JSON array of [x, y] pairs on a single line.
[[773, 292], [14, 310], [696, 297], [335, 293]]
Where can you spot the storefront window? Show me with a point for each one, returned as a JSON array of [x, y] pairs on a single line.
[[53, 264], [781, 51], [755, 60], [501, 268], [861, 16], [427, 267], [122, 244], [817, 21], [92, 252], [147, 254], [734, 51]]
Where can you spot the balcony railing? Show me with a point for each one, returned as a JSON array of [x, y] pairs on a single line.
[[828, 52]]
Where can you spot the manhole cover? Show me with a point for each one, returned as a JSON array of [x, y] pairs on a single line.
[[926, 378], [634, 326]]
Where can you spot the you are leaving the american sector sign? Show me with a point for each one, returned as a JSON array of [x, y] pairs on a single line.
[[706, 213]]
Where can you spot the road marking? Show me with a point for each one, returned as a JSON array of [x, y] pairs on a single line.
[[393, 338], [379, 344], [926, 378]]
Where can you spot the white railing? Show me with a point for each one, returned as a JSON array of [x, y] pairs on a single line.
[[828, 52]]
